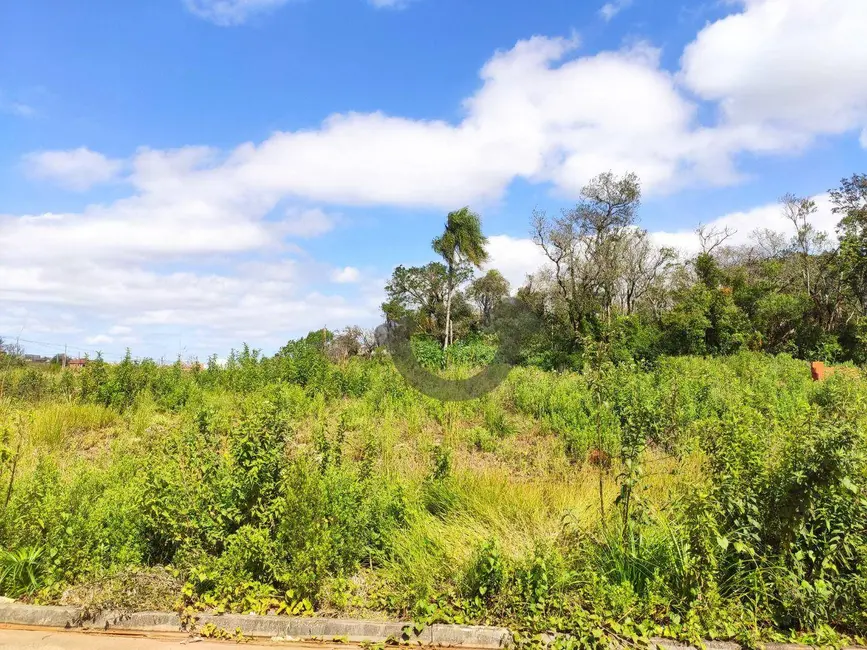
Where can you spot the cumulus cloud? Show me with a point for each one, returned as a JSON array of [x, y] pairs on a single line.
[[264, 303], [537, 116], [744, 223], [307, 223], [517, 257], [541, 114], [346, 275], [611, 9], [514, 257], [76, 169], [174, 254], [790, 66]]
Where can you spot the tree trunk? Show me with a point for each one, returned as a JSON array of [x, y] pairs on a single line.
[[448, 320]]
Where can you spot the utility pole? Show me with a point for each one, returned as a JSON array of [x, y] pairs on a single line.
[[64, 356]]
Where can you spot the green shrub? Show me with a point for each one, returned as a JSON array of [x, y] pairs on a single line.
[[727, 497]]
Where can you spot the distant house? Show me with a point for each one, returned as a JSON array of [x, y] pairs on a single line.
[[36, 358], [76, 364]]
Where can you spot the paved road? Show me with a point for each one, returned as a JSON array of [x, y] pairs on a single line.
[[49, 640]]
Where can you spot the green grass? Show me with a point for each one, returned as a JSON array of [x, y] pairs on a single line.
[[337, 488], [67, 425]]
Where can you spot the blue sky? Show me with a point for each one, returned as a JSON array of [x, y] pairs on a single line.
[[186, 175]]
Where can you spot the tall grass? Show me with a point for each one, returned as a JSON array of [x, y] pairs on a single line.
[[64, 425], [293, 484]]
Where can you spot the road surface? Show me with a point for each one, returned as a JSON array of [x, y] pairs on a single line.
[[60, 640]]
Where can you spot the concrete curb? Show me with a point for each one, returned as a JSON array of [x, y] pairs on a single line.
[[305, 629], [39, 616], [285, 627]]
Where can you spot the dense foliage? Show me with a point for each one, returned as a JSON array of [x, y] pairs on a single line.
[[724, 498], [802, 292]]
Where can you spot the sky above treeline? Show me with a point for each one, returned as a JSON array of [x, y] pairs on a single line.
[[182, 176]]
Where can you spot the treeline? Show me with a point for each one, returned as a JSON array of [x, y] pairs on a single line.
[[608, 286], [607, 282]]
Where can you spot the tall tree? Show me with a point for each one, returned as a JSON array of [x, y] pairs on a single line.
[[585, 246], [807, 241], [850, 201], [462, 246], [487, 292], [418, 291], [643, 268], [604, 215]]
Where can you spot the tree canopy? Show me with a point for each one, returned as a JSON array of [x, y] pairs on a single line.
[[802, 292]]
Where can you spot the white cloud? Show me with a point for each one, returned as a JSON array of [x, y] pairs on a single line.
[[12, 106], [535, 117], [312, 222], [263, 303], [236, 12], [863, 139], [16, 108], [795, 67], [541, 114], [76, 169], [230, 12], [514, 257], [389, 4], [346, 275], [745, 223], [611, 9]]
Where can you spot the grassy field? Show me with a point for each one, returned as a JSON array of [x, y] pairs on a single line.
[[722, 498]]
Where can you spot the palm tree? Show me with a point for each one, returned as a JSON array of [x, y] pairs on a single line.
[[462, 247]]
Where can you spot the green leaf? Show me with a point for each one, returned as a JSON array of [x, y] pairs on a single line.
[[849, 485]]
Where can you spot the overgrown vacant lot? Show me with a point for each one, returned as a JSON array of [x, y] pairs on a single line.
[[722, 498]]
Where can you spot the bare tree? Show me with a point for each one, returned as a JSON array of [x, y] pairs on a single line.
[[11, 353], [604, 216], [770, 243], [712, 237], [585, 244], [807, 241], [643, 265], [347, 343]]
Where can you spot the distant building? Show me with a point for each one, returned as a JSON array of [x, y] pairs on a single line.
[[76, 364], [36, 358]]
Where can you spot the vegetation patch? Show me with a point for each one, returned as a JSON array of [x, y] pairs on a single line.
[[697, 497], [660, 462]]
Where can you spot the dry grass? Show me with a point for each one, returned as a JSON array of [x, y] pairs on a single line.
[[153, 589], [65, 425]]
